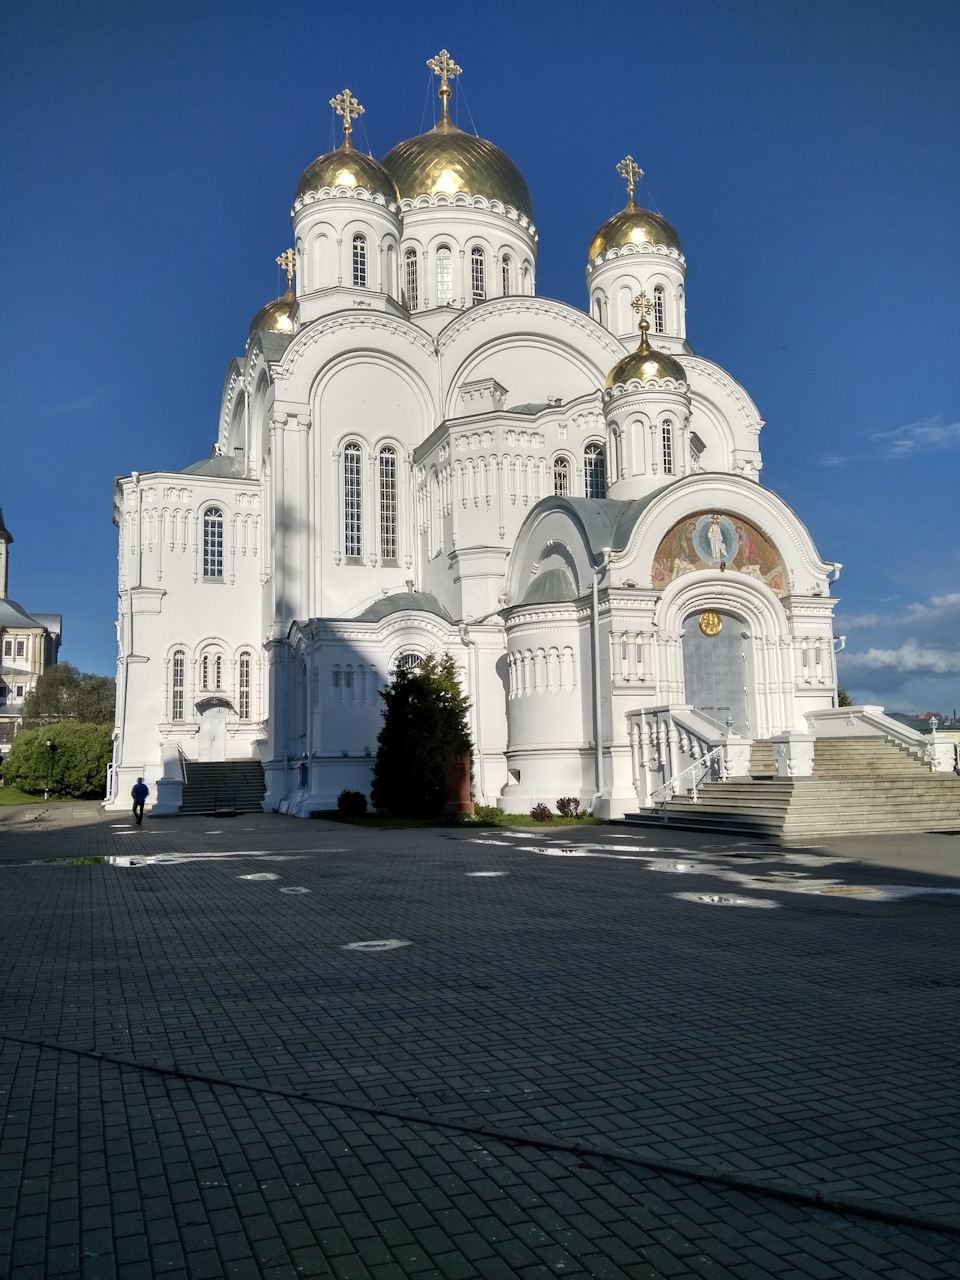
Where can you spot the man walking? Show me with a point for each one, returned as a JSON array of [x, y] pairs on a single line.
[[139, 792]]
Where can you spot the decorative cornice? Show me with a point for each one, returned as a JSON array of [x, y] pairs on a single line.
[[630, 250], [342, 193], [464, 201], [635, 386], [340, 320], [712, 372], [525, 304]]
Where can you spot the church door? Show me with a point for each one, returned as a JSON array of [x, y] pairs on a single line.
[[716, 668], [212, 738]]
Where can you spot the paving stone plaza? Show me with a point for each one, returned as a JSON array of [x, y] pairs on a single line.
[[262, 1047]]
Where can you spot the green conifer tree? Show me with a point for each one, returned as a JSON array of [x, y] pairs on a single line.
[[425, 716]]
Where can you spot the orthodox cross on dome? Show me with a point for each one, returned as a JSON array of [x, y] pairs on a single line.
[[629, 169], [347, 106], [642, 305], [286, 260], [444, 67]]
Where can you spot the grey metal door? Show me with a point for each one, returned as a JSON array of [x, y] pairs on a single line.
[[715, 670]]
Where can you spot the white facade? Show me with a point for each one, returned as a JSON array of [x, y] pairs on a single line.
[[396, 476]]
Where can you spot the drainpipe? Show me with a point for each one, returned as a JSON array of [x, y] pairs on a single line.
[[465, 639], [598, 572]]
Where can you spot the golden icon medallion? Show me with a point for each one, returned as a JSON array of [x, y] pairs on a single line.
[[710, 623]]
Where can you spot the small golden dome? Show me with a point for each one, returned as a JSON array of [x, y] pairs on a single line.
[[276, 316], [633, 225], [447, 161], [646, 363], [347, 167]]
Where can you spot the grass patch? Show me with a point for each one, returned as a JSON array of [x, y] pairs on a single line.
[[13, 795], [486, 817]]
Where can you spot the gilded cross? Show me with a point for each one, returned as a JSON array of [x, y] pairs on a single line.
[[629, 169], [642, 305], [444, 67], [347, 106], [286, 261]]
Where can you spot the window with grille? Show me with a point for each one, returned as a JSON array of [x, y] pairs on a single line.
[[179, 662], [204, 672], [594, 472], [360, 262], [444, 276], [667, 436], [659, 310], [478, 275], [218, 672], [213, 543], [244, 690], [410, 281], [21, 648], [409, 661], [352, 502], [388, 504], [506, 271], [561, 477]]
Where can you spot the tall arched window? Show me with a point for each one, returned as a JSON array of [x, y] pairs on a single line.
[[478, 275], [218, 672], [352, 503], [410, 281], [444, 276], [667, 439], [598, 310], [561, 477], [213, 543], [243, 699], [388, 504], [659, 310], [527, 279], [205, 672], [179, 663], [506, 275], [594, 472], [360, 261]]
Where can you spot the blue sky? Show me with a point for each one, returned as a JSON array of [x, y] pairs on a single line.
[[806, 152]]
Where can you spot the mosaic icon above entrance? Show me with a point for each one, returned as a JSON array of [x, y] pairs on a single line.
[[712, 540], [710, 623]]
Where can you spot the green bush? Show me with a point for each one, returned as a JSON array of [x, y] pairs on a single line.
[[541, 813], [74, 765], [425, 717], [352, 804]]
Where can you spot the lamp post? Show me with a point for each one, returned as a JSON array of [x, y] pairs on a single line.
[[50, 749]]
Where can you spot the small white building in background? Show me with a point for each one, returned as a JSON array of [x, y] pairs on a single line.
[[418, 454], [29, 643]]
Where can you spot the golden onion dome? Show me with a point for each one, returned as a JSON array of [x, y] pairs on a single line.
[[447, 161], [646, 363], [347, 167], [633, 225], [276, 316]]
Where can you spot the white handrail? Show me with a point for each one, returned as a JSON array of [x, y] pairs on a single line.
[[697, 771], [182, 761]]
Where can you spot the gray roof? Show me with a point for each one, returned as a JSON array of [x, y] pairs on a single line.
[[604, 522], [52, 621], [14, 615], [216, 465], [528, 408], [551, 587], [401, 602]]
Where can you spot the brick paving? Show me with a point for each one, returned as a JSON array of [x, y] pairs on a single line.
[[570, 1000]]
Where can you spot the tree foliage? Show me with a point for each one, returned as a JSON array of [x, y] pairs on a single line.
[[843, 698], [74, 765], [64, 693], [425, 717]]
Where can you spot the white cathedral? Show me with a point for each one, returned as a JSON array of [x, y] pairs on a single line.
[[418, 454]]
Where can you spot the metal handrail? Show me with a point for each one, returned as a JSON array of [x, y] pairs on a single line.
[[697, 771], [183, 762]]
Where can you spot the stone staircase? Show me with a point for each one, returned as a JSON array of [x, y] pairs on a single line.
[[860, 786], [223, 787]]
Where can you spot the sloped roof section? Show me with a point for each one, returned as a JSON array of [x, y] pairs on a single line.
[[225, 468], [402, 602], [552, 586], [14, 615]]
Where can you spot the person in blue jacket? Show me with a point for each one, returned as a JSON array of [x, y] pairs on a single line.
[[140, 791]]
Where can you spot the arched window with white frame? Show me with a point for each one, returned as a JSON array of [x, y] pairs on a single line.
[[598, 309], [561, 477], [388, 504], [411, 281], [506, 275], [444, 276], [594, 471], [213, 544], [666, 439], [243, 685], [360, 261], [659, 309], [352, 502], [478, 275], [179, 668], [205, 672]]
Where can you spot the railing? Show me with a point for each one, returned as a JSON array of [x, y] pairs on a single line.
[[669, 743], [713, 765], [182, 761], [939, 754]]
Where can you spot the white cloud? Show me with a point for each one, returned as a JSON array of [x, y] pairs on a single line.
[[833, 459], [926, 436], [910, 657], [936, 608]]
